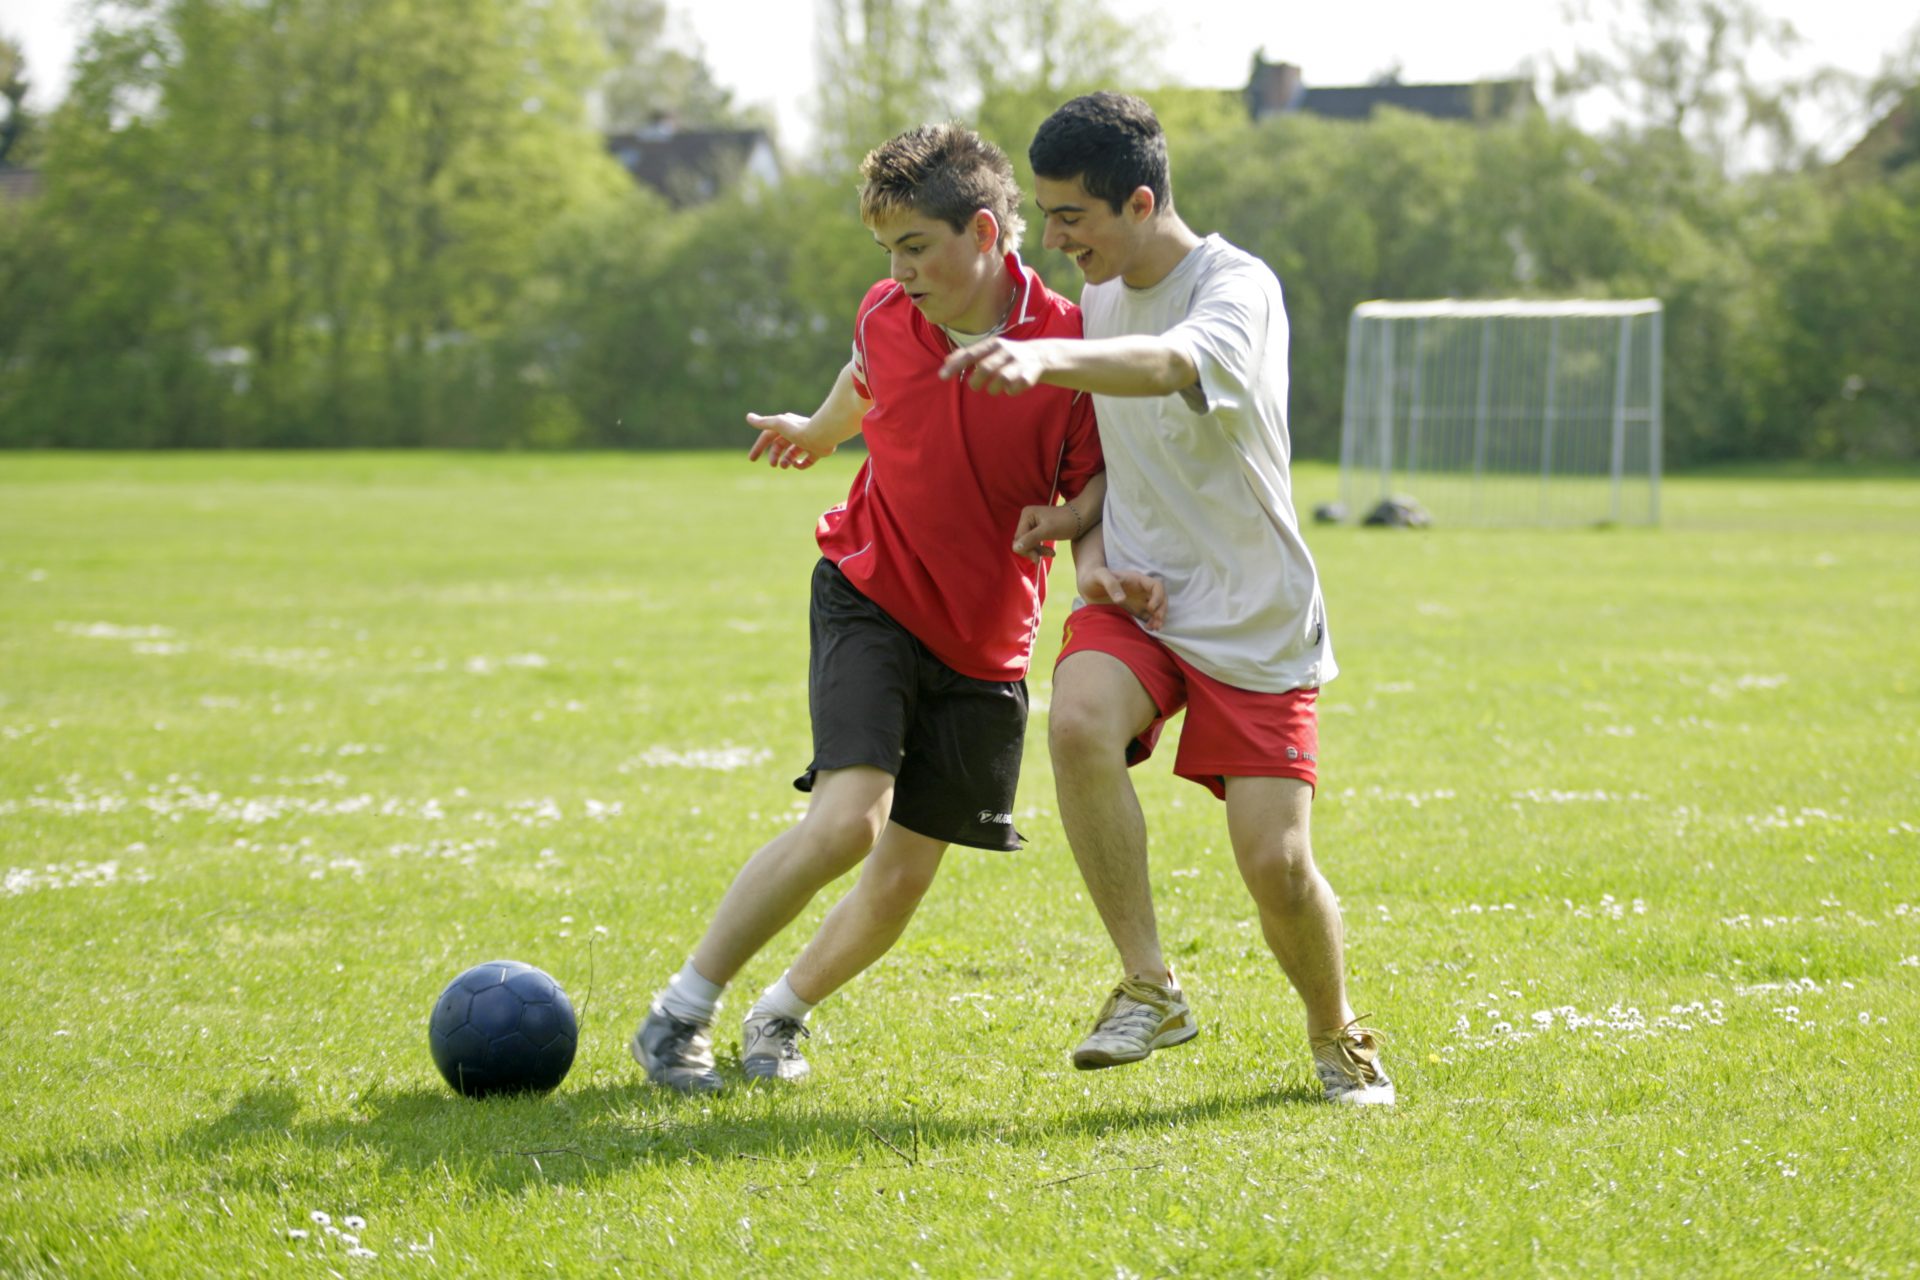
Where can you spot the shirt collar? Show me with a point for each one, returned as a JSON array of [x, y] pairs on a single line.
[[1027, 301]]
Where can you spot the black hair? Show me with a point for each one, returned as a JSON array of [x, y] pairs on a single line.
[[1111, 142]]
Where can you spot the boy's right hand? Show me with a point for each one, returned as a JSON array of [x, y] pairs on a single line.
[[785, 441], [1143, 596]]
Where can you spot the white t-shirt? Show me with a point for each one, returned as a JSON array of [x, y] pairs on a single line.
[[1198, 487]]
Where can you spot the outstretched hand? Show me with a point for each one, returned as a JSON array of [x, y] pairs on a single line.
[[1140, 594], [997, 366], [783, 441]]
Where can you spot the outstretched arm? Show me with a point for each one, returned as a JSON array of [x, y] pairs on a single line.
[[1136, 365], [789, 440]]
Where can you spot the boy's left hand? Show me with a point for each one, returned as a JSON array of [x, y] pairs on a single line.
[[1140, 594], [1039, 526]]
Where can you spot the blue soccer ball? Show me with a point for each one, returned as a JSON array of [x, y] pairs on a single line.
[[503, 1027]]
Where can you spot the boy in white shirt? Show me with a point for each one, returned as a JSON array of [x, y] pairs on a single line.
[[1200, 590]]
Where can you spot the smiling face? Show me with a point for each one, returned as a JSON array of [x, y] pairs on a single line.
[[1105, 245], [956, 278]]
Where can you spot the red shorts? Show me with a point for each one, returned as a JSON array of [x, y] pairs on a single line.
[[1230, 732]]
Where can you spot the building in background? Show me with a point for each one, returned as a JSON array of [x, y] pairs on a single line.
[[693, 166], [1279, 88], [1893, 142]]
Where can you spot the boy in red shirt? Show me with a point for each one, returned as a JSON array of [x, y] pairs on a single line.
[[923, 616]]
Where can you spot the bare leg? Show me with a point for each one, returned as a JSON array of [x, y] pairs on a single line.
[[1098, 708], [1268, 819], [848, 809], [867, 922]]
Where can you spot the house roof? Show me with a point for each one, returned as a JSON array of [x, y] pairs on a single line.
[[1276, 88], [1479, 100], [1893, 140], [688, 166]]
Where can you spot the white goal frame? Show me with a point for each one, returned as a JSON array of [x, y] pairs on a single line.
[[1507, 412]]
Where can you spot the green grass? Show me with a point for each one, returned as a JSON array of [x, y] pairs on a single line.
[[288, 741]]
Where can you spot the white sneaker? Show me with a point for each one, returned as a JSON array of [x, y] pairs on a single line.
[[1139, 1017], [1348, 1063], [675, 1054], [770, 1048]]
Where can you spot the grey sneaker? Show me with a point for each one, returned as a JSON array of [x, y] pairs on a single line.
[[675, 1054], [1137, 1018], [1347, 1060], [770, 1048]]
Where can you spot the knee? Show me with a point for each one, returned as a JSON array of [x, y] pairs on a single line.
[[837, 838], [895, 890], [1078, 730], [1281, 874]]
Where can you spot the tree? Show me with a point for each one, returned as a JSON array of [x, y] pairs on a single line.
[[330, 205], [1019, 57], [1409, 207], [1841, 381], [16, 126], [648, 77], [1895, 93], [1000, 65], [1686, 67], [881, 70], [1016, 60]]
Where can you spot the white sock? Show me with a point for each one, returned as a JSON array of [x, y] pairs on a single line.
[[690, 997], [780, 1001]]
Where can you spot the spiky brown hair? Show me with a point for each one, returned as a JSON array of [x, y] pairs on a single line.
[[945, 171]]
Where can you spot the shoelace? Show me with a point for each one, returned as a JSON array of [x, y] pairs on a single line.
[[789, 1032], [1350, 1059], [1143, 1013]]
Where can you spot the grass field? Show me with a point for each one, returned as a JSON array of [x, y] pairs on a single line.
[[1626, 825]]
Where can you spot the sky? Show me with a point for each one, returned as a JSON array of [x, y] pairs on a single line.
[[763, 49]]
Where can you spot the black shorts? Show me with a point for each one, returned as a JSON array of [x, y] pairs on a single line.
[[879, 697]]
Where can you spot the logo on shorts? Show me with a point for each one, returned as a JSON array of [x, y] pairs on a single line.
[[1294, 753], [988, 817]]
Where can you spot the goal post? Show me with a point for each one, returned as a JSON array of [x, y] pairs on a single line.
[[1505, 412]]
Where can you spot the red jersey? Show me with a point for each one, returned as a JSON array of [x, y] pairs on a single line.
[[927, 531]]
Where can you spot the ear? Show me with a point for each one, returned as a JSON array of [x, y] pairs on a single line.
[[985, 229], [1141, 203]]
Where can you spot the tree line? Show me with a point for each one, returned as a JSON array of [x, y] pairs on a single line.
[[316, 223]]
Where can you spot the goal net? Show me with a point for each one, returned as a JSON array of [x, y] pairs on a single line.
[[1504, 412]]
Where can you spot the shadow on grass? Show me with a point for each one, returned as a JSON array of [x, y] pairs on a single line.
[[583, 1134]]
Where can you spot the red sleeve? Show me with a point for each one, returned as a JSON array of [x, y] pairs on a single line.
[[860, 373], [875, 296], [1082, 460]]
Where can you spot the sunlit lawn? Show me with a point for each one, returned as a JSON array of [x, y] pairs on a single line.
[[1626, 825]]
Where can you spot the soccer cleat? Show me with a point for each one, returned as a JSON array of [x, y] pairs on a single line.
[[1139, 1017], [675, 1054], [770, 1048], [1348, 1063]]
